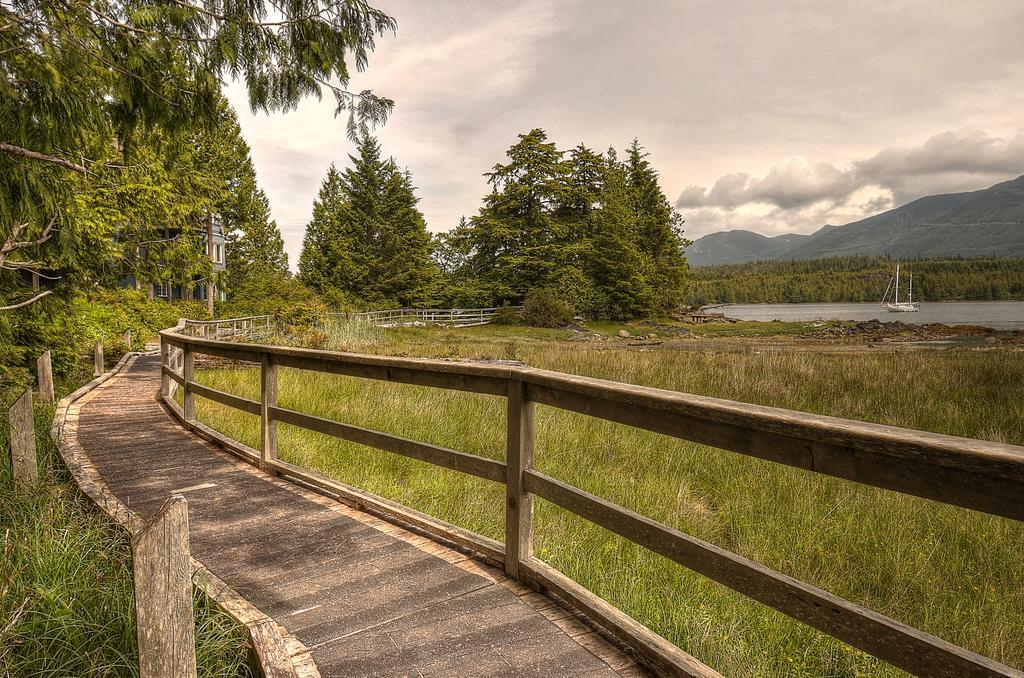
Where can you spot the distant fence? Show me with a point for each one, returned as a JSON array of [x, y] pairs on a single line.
[[251, 328], [451, 317], [980, 475]]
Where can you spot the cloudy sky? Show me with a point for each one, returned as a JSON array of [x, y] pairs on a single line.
[[773, 116]]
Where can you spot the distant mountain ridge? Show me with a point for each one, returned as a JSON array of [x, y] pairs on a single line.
[[984, 223]]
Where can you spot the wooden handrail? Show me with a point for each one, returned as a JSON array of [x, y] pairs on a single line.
[[976, 474], [442, 316]]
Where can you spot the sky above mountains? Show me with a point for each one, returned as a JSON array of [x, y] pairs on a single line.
[[777, 117]]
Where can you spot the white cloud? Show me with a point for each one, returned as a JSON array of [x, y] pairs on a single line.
[[795, 182], [807, 195]]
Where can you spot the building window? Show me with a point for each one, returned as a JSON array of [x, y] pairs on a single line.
[[163, 289], [218, 253]]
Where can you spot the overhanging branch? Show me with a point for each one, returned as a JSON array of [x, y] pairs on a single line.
[[11, 149], [27, 302]]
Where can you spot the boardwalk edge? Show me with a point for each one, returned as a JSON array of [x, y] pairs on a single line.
[[265, 635]]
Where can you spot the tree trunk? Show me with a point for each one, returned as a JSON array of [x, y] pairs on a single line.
[[209, 251]]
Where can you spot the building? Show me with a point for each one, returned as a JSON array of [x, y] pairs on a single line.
[[197, 289]]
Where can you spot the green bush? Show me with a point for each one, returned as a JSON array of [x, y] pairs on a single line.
[[69, 328], [295, 306], [543, 307], [506, 315]]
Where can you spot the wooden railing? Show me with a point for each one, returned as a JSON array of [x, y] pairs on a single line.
[[979, 475], [253, 328], [454, 317]]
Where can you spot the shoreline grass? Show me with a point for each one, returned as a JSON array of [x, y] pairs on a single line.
[[66, 595], [949, 571]]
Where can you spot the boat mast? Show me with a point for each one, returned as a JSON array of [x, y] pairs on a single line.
[[897, 302], [911, 288]]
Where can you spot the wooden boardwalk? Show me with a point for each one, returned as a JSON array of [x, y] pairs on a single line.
[[366, 597]]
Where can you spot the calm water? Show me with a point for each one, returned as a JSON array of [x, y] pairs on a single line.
[[1002, 315]]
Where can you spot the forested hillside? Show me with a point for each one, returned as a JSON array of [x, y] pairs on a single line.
[[855, 279], [985, 223]]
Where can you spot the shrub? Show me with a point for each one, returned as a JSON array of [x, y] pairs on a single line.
[[506, 315], [543, 307]]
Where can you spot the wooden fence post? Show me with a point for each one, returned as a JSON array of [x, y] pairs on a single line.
[[128, 339], [518, 458], [268, 399], [165, 362], [23, 440], [162, 568], [188, 368], [44, 375], [98, 359]]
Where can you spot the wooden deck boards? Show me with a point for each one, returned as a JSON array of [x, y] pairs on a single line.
[[367, 598]]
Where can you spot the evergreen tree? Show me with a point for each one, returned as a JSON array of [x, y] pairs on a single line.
[[618, 269], [367, 239], [658, 229], [326, 245], [254, 243], [515, 238], [597, 232]]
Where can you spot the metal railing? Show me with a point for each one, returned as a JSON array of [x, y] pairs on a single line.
[[980, 475]]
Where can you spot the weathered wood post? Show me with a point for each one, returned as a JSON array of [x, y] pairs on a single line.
[[128, 339], [23, 440], [268, 399], [162, 566], [188, 368], [165, 364], [44, 375], [518, 458], [98, 359]]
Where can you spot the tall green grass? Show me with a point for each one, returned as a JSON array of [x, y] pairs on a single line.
[[66, 596], [950, 571]]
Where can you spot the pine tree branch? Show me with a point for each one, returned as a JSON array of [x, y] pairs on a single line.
[[33, 300], [13, 244], [11, 149], [22, 265]]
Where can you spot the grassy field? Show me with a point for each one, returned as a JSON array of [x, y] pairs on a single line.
[[66, 598], [950, 571]]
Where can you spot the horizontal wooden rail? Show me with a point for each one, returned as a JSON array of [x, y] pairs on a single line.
[[229, 399], [475, 378], [249, 327], [173, 375], [459, 317], [888, 639], [976, 474], [481, 467]]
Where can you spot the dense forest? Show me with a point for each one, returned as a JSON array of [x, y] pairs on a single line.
[[855, 279]]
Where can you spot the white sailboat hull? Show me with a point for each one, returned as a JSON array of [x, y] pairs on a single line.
[[905, 307]]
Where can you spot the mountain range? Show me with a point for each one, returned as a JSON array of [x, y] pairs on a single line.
[[985, 223]]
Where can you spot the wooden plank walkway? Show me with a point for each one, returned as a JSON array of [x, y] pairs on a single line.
[[366, 597]]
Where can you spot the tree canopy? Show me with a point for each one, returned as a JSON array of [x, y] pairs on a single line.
[[96, 96], [596, 230], [367, 242]]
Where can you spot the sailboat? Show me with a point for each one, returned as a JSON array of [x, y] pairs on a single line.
[[897, 306]]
